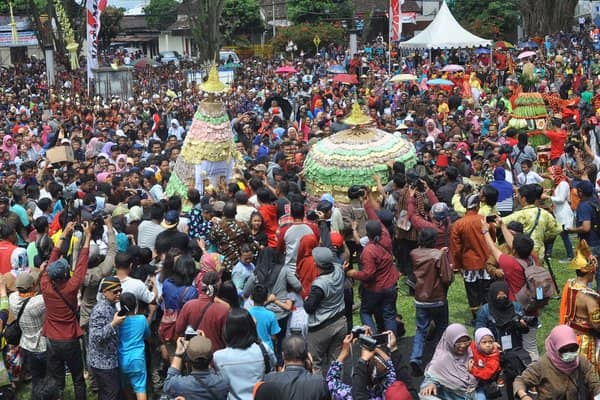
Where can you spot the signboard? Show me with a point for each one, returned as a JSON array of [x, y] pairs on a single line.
[[25, 38], [317, 40]]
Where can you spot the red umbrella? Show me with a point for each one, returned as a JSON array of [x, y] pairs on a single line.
[[286, 69], [346, 78]]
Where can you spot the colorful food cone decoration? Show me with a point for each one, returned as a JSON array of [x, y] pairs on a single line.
[[352, 157], [209, 154]]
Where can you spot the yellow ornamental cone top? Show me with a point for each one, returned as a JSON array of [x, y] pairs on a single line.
[[584, 259], [213, 84], [357, 117]]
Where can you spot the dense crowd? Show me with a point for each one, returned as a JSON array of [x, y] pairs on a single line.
[[248, 289]]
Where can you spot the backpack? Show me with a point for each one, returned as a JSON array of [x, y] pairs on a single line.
[[12, 332], [538, 288], [166, 329]]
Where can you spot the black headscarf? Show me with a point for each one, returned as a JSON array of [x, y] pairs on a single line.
[[268, 265], [502, 312]]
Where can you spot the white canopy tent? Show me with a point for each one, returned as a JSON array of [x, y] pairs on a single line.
[[444, 32]]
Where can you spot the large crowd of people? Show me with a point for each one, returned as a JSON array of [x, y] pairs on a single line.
[[249, 289]]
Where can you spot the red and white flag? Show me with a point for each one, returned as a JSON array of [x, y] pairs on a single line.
[[94, 11], [395, 20]]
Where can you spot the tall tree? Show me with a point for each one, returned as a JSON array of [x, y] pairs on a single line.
[[161, 13], [240, 17], [542, 17], [110, 20], [204, 17], [494, 19], [315, 11]]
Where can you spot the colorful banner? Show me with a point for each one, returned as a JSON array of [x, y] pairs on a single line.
[[94, 11], [394, 16]]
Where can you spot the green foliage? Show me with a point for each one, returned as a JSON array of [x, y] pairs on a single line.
[[303, 35], [490, 19], [111, 20], [161, 13], [240, 18], [316, 10]]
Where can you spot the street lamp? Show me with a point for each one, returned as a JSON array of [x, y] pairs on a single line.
[[291, 47]]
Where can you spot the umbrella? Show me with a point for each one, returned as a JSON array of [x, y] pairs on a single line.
[[403, 78], [285, 105], [346, 78], [286, 69], [503, 44], [526, 54], [442, 82], [337, 69], [482, 50], [142, 63], [452, 68], [529, 44]]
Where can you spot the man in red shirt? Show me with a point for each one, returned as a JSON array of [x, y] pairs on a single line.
[[61, 325]]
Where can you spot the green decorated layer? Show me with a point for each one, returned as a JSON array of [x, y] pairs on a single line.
[[352, 157]]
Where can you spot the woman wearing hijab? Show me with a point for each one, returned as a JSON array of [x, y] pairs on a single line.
[[432, 131], [506, 322], [560, 373], [176, 129], [9, 146], [121, 163], [561, 204], [448, 374], [306, 269], [504, 205]]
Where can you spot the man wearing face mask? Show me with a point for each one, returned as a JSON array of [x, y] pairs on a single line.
[[580, 305], [560, 373]]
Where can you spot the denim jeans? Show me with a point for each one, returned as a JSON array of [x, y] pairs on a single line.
[[424, 316], [382, 305], [68, 352], [36, 364], [549, 245]]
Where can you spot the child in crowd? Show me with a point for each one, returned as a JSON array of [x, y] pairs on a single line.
[[527, 176], [486, 362], [132, 359], [266, 322]]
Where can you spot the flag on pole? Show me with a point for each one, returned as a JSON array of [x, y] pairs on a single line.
[[395, 17], [94, 11]]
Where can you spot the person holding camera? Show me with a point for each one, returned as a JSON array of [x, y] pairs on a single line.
[[202, 383], [61, 326], [103, 347], [296, 380]]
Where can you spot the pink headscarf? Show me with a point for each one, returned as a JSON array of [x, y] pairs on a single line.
[[434, 132], [124, 158], [561, 336], [103, 177], [10, 149], [208, 262]]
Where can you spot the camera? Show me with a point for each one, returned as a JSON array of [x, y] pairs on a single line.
[[490, 219], [368, 342], [190, 333], [357, 331]]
